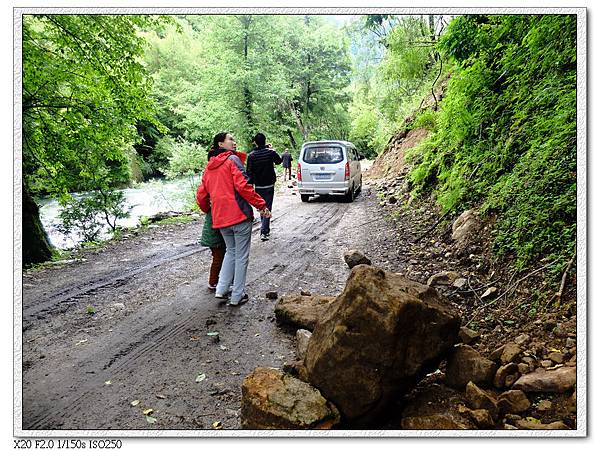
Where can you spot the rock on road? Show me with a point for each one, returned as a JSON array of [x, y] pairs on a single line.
[[146, 346]]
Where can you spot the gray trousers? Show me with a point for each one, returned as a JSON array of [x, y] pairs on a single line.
[[235, 264]]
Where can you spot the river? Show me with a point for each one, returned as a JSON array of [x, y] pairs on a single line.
[[144, 199]]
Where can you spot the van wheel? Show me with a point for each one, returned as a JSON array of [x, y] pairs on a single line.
[[359, 187], [304, 197], [349, 196]]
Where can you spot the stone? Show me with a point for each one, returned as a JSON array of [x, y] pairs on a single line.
[[511, 379], [118, 305], [544, 405], [379, 338], [460, 283], [354, 257], [547, 363], [467, 335], [482, 418], [570, 342], [522, 339], [442, 278], [490, 293], [496, 353], [510, 353], [480, 399], [465, 229], [272, 399], [466, 364], [435, 421], [523, 368], [572, 403], [513, 401], [556, 357], [305, 293], [558, 380], [532, 425], [302, 337], [302, 311], [271, 295], [503, 372]]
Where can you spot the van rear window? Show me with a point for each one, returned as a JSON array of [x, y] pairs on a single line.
[[323, 155]]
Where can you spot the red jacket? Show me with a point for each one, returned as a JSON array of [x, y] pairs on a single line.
[[225, 188]]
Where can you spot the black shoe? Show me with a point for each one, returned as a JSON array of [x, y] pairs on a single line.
[[264, 237]]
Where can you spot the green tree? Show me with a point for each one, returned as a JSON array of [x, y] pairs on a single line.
[[84, 90]]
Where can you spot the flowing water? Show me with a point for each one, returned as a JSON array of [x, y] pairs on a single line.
[[145, 199]]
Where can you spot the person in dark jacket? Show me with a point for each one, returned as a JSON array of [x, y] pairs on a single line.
[[286, 162], [225, 192], [261, 172], [213, 239]]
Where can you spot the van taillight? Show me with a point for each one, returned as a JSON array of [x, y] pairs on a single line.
[[347, 172], [299, 173]]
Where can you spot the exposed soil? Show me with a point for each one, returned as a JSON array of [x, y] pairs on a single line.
[[148, 335]]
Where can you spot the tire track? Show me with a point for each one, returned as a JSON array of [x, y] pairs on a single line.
[[126, 354]]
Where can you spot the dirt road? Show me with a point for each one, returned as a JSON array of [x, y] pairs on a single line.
[[147, 341]]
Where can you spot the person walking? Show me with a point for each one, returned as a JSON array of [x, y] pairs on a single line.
[[213, 239], [261, 172], [286, 162], [225, 191]]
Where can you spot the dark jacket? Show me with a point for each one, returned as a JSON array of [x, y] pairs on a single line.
[[287, 158], [226, 193], [259, 167]]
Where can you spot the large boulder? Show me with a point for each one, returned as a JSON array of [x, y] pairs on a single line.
[[556, 381], [302, 311], [272, 399], [382, 334], [466, 364]]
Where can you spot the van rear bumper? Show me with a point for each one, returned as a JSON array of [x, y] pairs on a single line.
[[335, 189]]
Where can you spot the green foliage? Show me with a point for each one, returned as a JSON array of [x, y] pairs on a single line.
[[185, 158], [385, 94], [87, 215], [283, 75], [506, 132]]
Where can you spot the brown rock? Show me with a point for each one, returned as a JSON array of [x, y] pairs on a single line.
[[510, 353], [544, 405], [553, 381], [480, 399], [302, 311], [272, 399], [532, 425], [503, 372], [495, 355], [442, 278], [467, 335], [523, 368], [513, 401], [557, 357], [465, 364], [435, 421], [522, 339], [271, 295], [482, 418], [354, 257], [547, 363], [511, 379], [383, 333]]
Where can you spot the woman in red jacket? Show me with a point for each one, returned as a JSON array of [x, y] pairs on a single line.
[[225, 192]]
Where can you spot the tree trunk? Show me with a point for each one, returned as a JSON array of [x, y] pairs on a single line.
[[36, 247]]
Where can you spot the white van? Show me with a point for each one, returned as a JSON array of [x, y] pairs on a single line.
[[329, 167]]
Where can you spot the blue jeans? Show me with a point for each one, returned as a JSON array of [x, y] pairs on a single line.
[[267, 194], [235, 264]]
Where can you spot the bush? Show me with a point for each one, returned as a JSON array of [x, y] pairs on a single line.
[[184, 157]]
